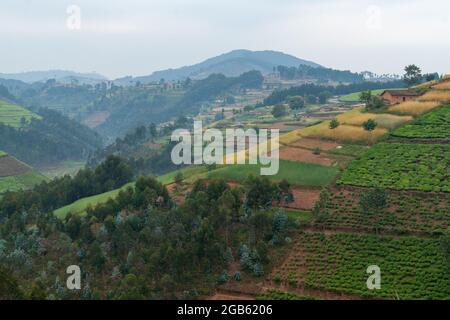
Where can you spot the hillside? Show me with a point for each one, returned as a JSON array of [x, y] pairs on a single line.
[[345, 197], [16, 175], [230, 64], [15, 116], [42, 76], [44, 138]]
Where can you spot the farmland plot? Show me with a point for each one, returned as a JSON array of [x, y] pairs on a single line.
[[405, 213], [401, 166], [411, 268], [433, 125]]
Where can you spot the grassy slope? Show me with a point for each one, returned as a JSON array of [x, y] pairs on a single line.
[[21, 181], [80, 206], [354, 97], [297, 173], [11, 114]]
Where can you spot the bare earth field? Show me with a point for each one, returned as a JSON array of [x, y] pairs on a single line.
[[11, 167], [96, 119], [304, 155], [304, 199], [310, 143]]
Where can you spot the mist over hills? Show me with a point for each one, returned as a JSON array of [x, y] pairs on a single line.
[[59, 75], [230, 64]]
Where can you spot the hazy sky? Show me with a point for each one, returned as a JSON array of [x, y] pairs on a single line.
[[136, 37]]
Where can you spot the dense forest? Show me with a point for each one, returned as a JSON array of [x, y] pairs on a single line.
[[315, 90], [319, 74], [140, 245], [53, 139], [129, 106], [47, 196], [140, 150]]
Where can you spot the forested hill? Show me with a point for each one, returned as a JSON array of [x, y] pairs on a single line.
[[313, 89], [130, 107], [230, 64], [49, 140]]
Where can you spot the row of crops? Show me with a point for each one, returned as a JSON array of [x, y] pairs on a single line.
[[433, 125], [405, 213], [422, 167], [411, 268]]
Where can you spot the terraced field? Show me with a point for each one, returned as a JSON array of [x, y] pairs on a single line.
[[411, 268], [20, 182], [14, 115], [16, 175], [432, 125], [406, 213], [401, 166], [10, 166]]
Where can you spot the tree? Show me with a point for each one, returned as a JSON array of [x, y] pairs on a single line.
[[370, 125], [324, 96], [445, 246], [372, 101], [9, 288], [413, 75], [334, 124], [365, 96], [312, 99], [374, 201], [179, 178], [296, 102], [279, 111]]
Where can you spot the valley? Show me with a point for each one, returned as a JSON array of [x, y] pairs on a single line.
[[86, 178]]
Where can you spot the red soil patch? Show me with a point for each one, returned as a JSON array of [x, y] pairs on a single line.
[[12, 167], [179, 196], [304, 155], [310, 143], [96, 119], [304, 199], [227, 296]]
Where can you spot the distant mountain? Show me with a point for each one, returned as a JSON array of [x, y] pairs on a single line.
[[230, 64], [60, 75]]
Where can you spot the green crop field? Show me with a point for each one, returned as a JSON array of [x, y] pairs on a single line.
[[405, 213], [296, 173], [79, 206], [12, 115], [280, 295], [354, 97], [3, 154], [22, 181], [401, 166], [411, 268], [434, 125]]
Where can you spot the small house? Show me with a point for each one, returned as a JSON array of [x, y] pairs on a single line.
[[398, 96]]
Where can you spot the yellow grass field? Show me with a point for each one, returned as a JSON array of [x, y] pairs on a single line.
[[356, 117], [426, 84], [350, 129], [442, 86], [414, 107], [345, 133], [435, 95]]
